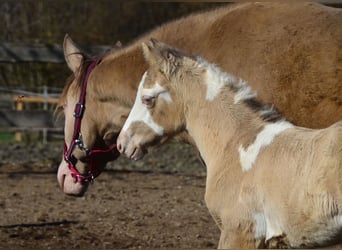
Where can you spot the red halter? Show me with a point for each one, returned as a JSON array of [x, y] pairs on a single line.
[[94, 154]]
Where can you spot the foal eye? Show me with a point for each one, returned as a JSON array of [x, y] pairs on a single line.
[[148, 100]]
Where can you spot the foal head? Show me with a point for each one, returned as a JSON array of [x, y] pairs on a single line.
[[158, 112]]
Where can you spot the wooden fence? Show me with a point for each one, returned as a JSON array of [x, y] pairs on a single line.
[[16, 115], [21, 120]]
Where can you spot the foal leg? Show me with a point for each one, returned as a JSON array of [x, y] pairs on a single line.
[[279, 242], [237, 239]]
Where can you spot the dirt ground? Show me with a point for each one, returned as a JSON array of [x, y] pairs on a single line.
[[154, 203]]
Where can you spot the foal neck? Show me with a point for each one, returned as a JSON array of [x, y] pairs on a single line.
[[225, 115]]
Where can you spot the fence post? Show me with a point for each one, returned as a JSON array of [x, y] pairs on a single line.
[[45, 94], [18, 136], [21, 122], [45, 107], [45, 135]]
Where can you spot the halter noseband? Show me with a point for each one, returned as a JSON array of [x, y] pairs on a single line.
[[78, 141]]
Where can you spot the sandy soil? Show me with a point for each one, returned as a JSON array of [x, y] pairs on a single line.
[[155, 203]]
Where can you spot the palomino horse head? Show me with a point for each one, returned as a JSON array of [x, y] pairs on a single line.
[[90, 135], [157, 114]]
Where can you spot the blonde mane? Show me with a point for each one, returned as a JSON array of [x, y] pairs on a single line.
[[240, 88]]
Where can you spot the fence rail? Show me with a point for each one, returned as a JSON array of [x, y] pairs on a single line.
[[21, 120], [29, 119], [14, 115]]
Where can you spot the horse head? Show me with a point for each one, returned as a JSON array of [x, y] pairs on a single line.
[[90, 134]]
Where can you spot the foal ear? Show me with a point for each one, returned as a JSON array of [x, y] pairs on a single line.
[[151, 52], [118, 44], [72, 54], [160, 55], [148, 55]]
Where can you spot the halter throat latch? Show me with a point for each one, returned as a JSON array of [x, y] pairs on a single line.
[[79, 143]]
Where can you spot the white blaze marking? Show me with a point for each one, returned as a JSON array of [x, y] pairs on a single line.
[[264, 138], [141, 113], [158, 91]]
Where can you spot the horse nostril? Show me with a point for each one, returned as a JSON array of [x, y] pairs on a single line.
[[119, 147], [62, 182]]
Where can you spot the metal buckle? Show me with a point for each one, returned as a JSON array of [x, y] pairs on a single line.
[[71, 160], [79, 108], [92, 178], [80, 144]]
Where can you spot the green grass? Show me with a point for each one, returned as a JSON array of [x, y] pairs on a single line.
[[6, 137], [35, 136]]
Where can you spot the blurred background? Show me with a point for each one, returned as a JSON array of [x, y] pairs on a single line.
[[127, 207], [33, 71], [32, 67], [154, 203], [90, 23]]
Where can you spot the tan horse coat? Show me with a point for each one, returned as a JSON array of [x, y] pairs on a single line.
[[269, 183], [291, 53]]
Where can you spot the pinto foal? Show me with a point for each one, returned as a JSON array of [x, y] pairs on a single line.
[[269, 183]]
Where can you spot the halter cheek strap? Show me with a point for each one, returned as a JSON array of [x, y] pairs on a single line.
[[93, 154]]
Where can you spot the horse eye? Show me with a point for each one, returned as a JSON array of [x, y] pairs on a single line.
[[148, 100]]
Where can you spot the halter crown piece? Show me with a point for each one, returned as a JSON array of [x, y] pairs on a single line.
[[78, 141]]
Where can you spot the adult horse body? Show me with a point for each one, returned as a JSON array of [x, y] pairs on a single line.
[[290, 52], [269, 183]]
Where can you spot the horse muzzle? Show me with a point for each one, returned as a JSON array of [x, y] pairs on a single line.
[[68, 183]]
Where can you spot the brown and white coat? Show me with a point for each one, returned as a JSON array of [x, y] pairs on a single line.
[[269, 183]]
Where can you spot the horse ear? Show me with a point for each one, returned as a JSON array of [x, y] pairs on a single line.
[[118, 44], [147, 53], [150, 53], [159, 55], [72, 54]]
